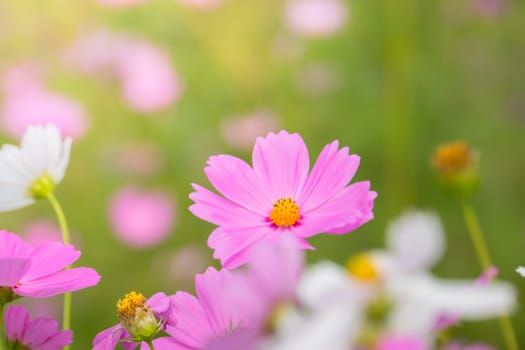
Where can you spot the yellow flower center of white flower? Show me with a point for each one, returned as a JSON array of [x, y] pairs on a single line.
[[285, 212], [363, 268], [137, 317], [42, 187]]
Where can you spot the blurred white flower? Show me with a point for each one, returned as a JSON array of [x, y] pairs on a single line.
[[315, 18], [396, 287], [32, 170]]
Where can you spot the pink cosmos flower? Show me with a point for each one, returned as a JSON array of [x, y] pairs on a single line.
[[241, 132], [37, 334], [109, 338], [213, 320], [315, 18], [149, 81], [279, 195], [140, 218], [38, 271]]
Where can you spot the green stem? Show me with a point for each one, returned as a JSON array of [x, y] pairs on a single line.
[[150, 343], [485, 260], [2, 332], [66, 318]]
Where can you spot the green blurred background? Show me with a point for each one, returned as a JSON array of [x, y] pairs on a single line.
[[408, 75]]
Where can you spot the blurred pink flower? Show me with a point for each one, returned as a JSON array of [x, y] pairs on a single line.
[[186, 262], [491, 8], [38, 271], [139, 218], [317, 79], [40, 333], [401, 343], [27, 102], [315, 18], [121, 3], [280, 195], [241, 132], [201, 4], [149, 81], [41, 231]]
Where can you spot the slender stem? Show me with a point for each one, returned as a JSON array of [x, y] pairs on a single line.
[[485, 260], [150, 343], [66, 316], [2, 331]]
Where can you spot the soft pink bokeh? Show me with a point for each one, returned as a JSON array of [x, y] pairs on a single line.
[[491, 8], [445, 321], [474, 346], [241, 132], [149, 82], [315, 18], [28, 102], [186, 262], [487, 276], [41, 231], [140, 158], [317, 79], [121, 3], [141, 218], [401, 343], [201, 4]]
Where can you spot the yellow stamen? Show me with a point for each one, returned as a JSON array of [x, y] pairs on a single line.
[[285, 212], [127, 307], [363, 269]]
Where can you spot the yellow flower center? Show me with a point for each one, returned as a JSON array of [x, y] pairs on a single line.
[[453, 157], [127, 307], [362, 268], [285, 212], [42, 187]]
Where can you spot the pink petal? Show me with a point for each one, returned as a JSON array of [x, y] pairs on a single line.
[[12, 270], [349, 210], [64, 281], [191, 326], [332, 171], [109, 338], [51, 257], [237, 181], [282, 163], [39, 330], [232, 246], [58, 340], [16, 322], [217, 210], [12, 246], [164, 343], [160, 304]]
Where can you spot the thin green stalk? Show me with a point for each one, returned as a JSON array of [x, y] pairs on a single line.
[[66, 316], [485, 260], [2, 332], [150, 343]]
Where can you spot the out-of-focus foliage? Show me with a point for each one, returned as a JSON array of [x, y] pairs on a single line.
[[398, 78]]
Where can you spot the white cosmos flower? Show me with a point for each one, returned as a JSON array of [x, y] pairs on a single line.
[[31, 171], [399, 276]]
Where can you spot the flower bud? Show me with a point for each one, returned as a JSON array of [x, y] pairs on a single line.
[[137, 317], [455, 164]]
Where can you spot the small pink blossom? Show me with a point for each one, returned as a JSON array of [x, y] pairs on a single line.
[[37, 334], [140, 218], [149, 81], [41, 231], [280, 194], [38, 272], [241, 132], [315, 18]]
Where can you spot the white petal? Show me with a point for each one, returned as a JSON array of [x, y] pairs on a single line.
[[416, 239], [13, 168], [59, 169], [521, 270], [42, 147], [15, 204]]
